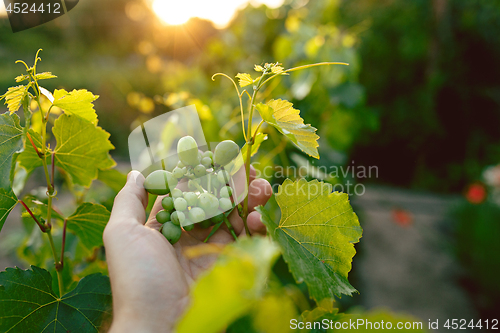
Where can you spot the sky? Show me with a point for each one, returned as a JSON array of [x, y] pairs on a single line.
[[174, 12]]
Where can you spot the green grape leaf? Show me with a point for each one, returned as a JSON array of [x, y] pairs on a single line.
[[81, 148], [280, 114], [39, 76], [14, 96], [277, 69], [44, 76], [113, 178], [29, 159], [244, 79], [258, 68], [8, 201], [317, 232], [11, 142], [22, 77], [237, 281], [28, 303], [88, 222], [261, 137], [77, 102]]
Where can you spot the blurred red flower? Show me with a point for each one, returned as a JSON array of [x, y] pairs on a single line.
[[476, 193], [402, 217]]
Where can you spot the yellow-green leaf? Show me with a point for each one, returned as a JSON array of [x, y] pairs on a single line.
[[88, 222], [82, 148], [258, 68], [244, 79], [231, 287], [281, 114], [273, 314], [77, 102], [45, 76], [14, 96], [276, 69], [317, 232], [39, 76]]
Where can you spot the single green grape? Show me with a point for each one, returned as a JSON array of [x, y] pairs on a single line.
[[180, 165], [196, 214], [208, 153], [191, 198], [225, 204], [208, 202], [200, 170], [225, 152], [178, 172], [187, 149], [226, 192], [159, 182], [163, 216], [207, 162], [223, 177], [168, 204], [171, 232], [176, 193], [177, 217], [188, 225], [180, 204]]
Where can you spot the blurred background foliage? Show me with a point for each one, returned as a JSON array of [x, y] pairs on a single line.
[[420, 99]]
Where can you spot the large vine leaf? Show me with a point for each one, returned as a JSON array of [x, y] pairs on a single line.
[[8, 201], [236, 281], [280, 114], [316, 233], [29, 305], [81, 148], [88, 222], [14, 96], [11, 141], [77, 102], [29, 159]]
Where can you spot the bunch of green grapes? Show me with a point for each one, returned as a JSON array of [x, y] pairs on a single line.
[[208, 195]]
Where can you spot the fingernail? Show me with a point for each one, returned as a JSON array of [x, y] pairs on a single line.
[[132, 176]]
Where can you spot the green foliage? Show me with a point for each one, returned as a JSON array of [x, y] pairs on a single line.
[[316, 233], [82, 148], [11, 142], [29, 158], [88, 223], [8, 201], [236, 281], [30, 305], [286, 119], [27, 300]]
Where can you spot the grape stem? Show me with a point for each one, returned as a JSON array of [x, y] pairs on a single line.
[[49, 179]]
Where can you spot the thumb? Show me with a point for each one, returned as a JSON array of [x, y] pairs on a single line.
[[130, 203]]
